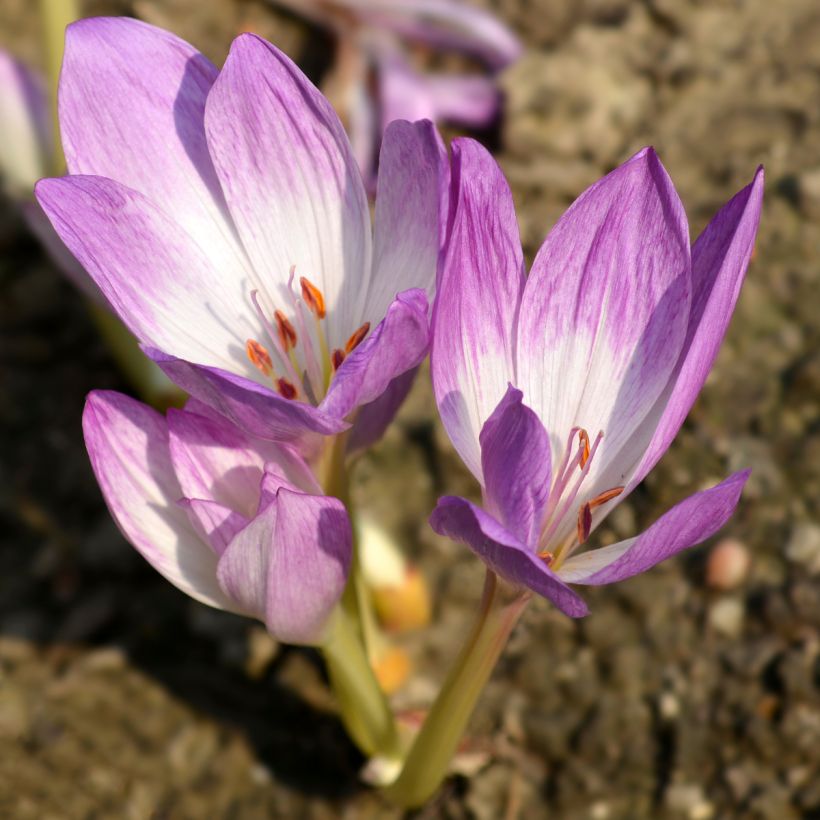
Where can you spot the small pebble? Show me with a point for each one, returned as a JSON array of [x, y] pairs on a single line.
[[728, 564], [803, 547], [726, 617]]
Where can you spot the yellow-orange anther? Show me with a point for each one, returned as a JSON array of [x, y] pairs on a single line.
[[313, 297], [287, 333], [606, 495], [584, 522], [583, 436], [260, 358], [336, 358], [585, 511], [357, 338], [286, 389]]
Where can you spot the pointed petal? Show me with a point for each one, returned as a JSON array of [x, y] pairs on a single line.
[[516, 465], [289, 565], [132, 101], [214, 523], [290, 180], [251, 407], [128, 446], [477, 301], [410, 205], [38, 223], [25, 126], [686, 524], [373, 419], [397, 345], [604, 313], [158, 280], [720, 258], [502, 552]]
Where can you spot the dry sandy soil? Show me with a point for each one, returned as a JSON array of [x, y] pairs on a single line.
[[121, 698]]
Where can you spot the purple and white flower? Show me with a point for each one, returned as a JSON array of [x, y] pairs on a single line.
[[223, 216], [27, 154], [562, 389], [236, 523], [374, 81]]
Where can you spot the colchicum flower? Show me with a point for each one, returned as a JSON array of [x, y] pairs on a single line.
[[237, 523], [374, 81], [224, 218], [561, 390], [27, 154]]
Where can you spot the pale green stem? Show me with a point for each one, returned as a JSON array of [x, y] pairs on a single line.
[[427, 763], [363, 705], [56, 15]]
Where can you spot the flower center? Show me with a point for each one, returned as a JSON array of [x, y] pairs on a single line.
[[563, 497], [304, 364]]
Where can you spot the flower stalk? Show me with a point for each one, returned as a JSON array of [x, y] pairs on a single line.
[[56, 16], [353, 638], [427, 762]]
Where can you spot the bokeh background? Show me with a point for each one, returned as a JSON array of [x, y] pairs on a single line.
[[687, 693]]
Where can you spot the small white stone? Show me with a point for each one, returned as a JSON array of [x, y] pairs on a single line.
[[726, 617]]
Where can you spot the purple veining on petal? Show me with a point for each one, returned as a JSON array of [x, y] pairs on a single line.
[[685, 525], [503, 553], [516, 465]]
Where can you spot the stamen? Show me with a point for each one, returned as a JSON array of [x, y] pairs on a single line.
[[313, 297], [552, 524], [584, 439], [287, 333], [606, 495], [336, 358], [546, 556], [286, 389], [260, 358], [584, 522], [357, 338]]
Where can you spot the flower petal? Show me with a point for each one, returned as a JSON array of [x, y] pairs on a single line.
[[214, 523], [38, 223], [477, 300], [25, 126], [605, 309], [516, 465], [132, 102], [397, 345], [167, 290], [370, 423], [252, 407], [502, 552], [213, 461], [291, 181], [444, 24], [470, 100], [686, 524], [289, 565], [128, 445], [410, 213], [720, 258]]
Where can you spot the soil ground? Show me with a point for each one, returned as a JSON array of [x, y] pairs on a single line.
[[119, 697]]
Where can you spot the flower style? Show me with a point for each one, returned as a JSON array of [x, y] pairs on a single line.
[[561, 390], [223, 216], [370, 47], [236, 523]]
